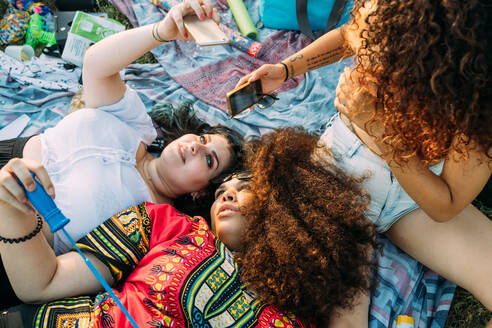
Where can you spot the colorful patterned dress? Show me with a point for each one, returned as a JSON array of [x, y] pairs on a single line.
[[175, 273]]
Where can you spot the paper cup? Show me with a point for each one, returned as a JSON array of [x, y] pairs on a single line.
[[21, 53]]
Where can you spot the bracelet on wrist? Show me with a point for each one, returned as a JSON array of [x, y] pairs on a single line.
[[286, 71], [155, 33], [26, 237]]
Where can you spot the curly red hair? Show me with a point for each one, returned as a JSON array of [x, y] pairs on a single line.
[[307, 247], [431, 62]]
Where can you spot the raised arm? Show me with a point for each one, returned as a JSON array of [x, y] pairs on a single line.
[[326, 50], [104, 60], [34, 271]]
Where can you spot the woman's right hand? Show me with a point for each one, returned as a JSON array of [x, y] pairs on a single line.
[[172, 26], [272, 77], [11, 192]]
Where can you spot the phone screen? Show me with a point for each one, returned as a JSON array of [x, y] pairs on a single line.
[[244, 97]]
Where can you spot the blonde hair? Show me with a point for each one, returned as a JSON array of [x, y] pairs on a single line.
[[77, 102]]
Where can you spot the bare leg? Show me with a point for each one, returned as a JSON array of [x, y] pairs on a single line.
[[460, 249]]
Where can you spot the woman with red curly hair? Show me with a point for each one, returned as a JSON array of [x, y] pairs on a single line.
[[415, 114], [279, 253]]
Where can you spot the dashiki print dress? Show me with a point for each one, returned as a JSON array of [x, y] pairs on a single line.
[[175, 273]]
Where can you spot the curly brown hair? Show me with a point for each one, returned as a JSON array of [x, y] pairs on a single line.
[[431, 62], [307, 247]]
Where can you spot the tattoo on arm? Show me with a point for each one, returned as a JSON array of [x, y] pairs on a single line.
[[326, 58], [296, 57], [316, 61]]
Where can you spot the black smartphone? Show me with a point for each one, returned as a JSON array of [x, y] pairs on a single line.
[[244, 97]]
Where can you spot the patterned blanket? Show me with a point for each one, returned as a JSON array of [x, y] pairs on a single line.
[[42, 89]]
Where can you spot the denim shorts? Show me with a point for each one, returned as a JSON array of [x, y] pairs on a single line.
[[389, 202]]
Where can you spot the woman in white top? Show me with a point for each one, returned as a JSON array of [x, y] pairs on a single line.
[[96, 159], [415, 121]]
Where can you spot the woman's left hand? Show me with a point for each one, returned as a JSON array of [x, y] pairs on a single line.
[[172, 26], [357, 101]]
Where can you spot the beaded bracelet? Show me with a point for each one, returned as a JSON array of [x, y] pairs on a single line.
[[27, 237], [286, 71], [155, 33]]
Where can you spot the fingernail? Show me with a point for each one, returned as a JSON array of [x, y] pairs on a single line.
[[30, 187], [51, 191], [202, 16], [211, 14], [186, 35]]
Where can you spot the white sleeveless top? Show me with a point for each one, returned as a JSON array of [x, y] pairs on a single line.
[[90, 158]]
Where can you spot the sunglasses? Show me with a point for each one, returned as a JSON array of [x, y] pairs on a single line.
[[265, 101], [243, 175]]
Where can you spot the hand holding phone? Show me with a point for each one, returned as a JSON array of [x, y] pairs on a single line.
[[205, 32], [244, 97]]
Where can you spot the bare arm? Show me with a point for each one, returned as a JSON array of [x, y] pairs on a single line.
[[34, 271], [37, 275], [324, 51], [443, 196], [330, 48], [104, 60]]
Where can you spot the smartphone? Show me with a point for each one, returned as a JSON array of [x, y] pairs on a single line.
[[244, 97], [205, 32]]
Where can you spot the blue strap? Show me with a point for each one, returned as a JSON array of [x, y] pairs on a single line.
[[102, 281], [45, 206]]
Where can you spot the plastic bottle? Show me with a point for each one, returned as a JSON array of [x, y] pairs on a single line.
[[243, 20], [404, 321], [45, 205], [35, 32]]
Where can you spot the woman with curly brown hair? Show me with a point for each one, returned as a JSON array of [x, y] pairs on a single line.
[[415, 113], [301, 243], [307, 245]]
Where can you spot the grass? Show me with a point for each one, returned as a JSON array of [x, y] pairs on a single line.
[[466, 311]]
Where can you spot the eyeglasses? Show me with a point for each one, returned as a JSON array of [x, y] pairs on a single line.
[[243, 175], [265, 101]]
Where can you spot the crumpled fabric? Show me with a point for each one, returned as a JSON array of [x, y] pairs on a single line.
[[13, 26]]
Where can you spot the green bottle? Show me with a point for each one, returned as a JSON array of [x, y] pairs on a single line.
[[35, 33]]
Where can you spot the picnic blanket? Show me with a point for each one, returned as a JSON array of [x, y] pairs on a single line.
[[43, 88], [208, 73]]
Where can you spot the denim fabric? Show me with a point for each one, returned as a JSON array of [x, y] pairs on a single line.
[[389, 202]]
